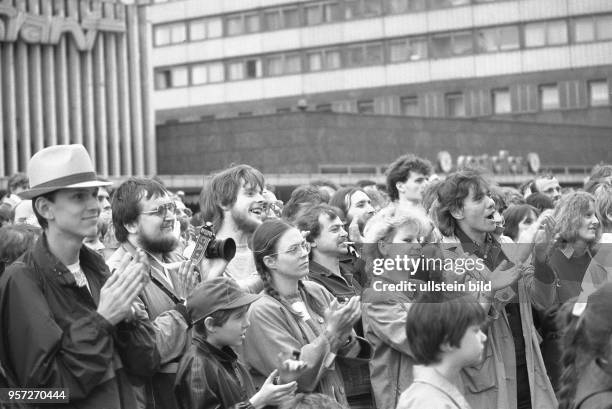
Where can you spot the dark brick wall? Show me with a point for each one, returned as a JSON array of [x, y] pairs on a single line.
[[300, 142]]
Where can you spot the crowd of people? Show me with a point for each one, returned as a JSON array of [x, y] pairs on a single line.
[[426, 292]]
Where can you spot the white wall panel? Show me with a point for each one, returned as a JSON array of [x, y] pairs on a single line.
[[364, 77], [408, 73], [456, 18], [170, 98], [586, 55], [497, 64], [362, 30], [589, 6], [323, 81], [322, 35], [282, 86], [461, 67], [244, 90], [405, 24], [203, 95], [546, 59], [540, 9], [496, 13]]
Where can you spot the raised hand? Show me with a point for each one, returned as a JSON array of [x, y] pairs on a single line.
[[271, 394], [184, 279]]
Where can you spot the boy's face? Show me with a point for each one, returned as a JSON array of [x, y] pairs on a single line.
[[232, 333], [471, 346]]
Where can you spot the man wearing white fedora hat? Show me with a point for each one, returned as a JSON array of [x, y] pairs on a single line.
[[65, 321]]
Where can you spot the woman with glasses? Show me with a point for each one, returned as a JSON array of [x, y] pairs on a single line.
[[297, 315]]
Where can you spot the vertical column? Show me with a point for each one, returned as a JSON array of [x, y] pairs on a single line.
[[2, 157], [110, 53], [61, 79], [148, 118], [124, 100], [10, 107], [74, 83], [135, 88], [23, 98], [35, 79], [99, 76], [48, 83], [89, 129]]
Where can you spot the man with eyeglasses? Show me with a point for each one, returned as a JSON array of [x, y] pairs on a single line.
[[144, 217]]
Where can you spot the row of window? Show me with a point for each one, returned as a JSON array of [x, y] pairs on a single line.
[[439, 45], [292, 16], [548, 98]]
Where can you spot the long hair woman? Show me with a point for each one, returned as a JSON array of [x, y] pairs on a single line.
[[297, 315]]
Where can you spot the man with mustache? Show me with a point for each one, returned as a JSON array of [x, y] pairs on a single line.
[[144, 217], [232, 201]]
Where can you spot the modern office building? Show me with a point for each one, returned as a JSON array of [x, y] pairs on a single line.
[[526, 60]]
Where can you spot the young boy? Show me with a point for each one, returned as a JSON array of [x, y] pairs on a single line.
[[444, 337], [209, 374]]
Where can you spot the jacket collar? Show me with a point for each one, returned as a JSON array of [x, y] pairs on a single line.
[[424, 374], [226, 354], [50, 265]]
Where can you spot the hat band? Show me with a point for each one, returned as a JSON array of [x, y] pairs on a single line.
[[68, 180]]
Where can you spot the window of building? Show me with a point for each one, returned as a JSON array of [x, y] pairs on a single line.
[[163, 79], [324, 12], [599, 93], [291, 17], [604, 27], [448, 44], [273, 20], [498, 39], [170, 34], [362, 8], [584, 30], [235, 70], [365, 54], [172, 77], [501, 101], [411, 49], [455, 105], [215, 72], [409, 106], [214, 27], [549, 97], [546, 33], [180, 77], [332, 59], [293, 64], [205, 28], [234, 25], [251, 22], [253, 68], [275, 65], [365, 107], [436, 4], [403, 6], [315, 63], [199, 74]]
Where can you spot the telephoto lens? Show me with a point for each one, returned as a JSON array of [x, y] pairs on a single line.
[[225, 249]]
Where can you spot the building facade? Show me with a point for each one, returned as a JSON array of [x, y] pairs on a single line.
[[532, 60], [76, 71]]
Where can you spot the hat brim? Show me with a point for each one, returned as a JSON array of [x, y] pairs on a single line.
[[244, 299], [35, 192]]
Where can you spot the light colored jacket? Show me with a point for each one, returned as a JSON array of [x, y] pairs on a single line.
[[431, 391], [492, 384], [384, 326], [274, 329]]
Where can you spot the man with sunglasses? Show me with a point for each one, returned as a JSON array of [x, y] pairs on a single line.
[[144, 217]]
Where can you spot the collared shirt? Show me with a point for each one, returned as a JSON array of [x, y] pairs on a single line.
[[343, 286], [432, 391]]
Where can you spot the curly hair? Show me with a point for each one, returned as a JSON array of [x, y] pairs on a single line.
[[568, 216], [399, 171], [598, 176], [586, 339], [603, 205]]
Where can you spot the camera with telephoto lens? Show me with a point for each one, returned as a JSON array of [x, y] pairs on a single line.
[[208, 246]]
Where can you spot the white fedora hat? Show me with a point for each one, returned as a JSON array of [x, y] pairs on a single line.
[[60, 167]]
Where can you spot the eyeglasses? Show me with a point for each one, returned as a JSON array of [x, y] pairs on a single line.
[[295, 250], [162, 210]]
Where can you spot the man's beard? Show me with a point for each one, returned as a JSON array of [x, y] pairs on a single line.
[[245, 223], [158, 245]]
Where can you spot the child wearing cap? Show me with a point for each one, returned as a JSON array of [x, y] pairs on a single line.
[[209, 374], [444, 337]]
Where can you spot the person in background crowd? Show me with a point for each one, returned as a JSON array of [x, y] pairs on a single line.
[[144, 216], [232, 200], [273, 208], [104, 200], [599, 270], [444, 337], [23, 213], [600, 175], [466, 219], [66, 321], [297, 315], [540, 201], [326, 185], [586, 382], [17, 183], [302, 198], [14, 241], [3, 194], [356, 206], [210, 375], [394, 231], [379, 199], [512, 196], [6, 214], [519, 218], [406, 178], [549, 185]]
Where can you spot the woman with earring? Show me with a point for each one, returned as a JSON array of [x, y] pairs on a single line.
[[297, 315]]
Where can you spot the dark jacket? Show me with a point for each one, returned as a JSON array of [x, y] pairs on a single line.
[[52, 336], [212, 378]]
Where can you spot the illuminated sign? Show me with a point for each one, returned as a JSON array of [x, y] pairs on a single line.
[[40, 29]]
